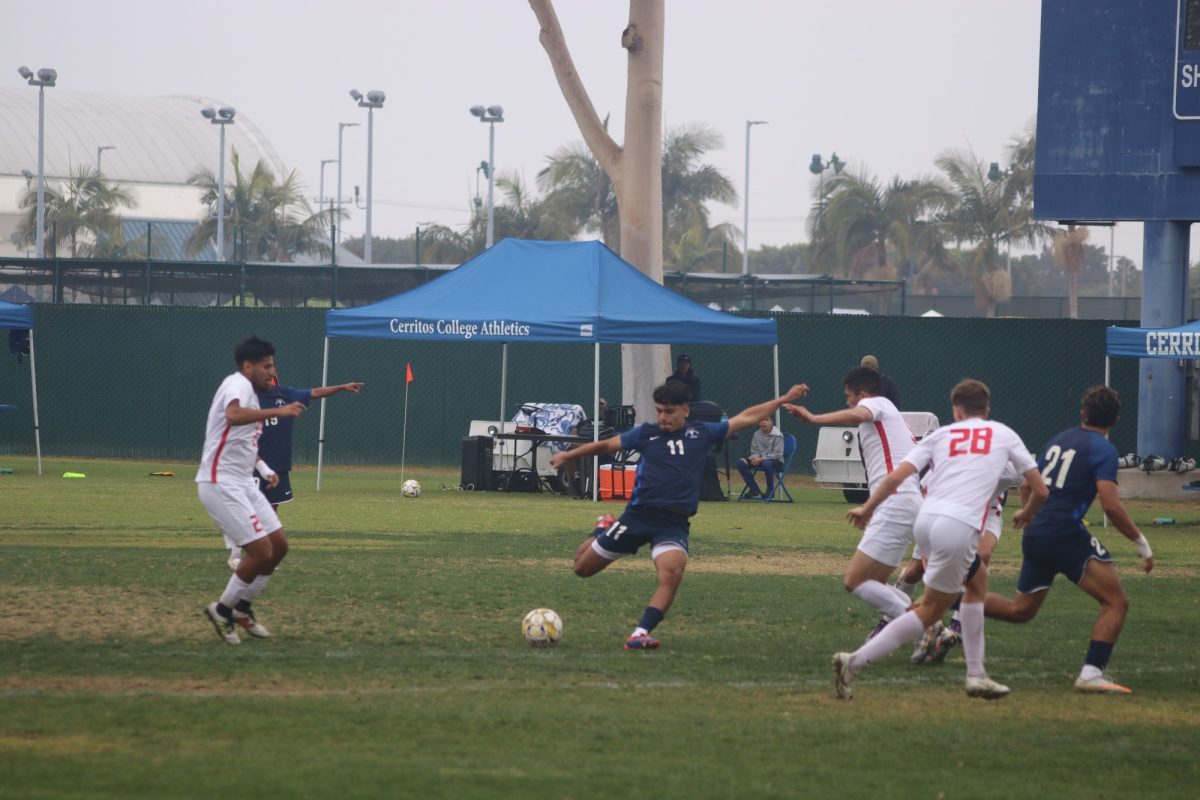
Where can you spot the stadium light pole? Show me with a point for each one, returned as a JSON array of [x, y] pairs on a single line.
[[372, 101], [746, 200], [491, 115], [341, 127], [220, 117], [321, 194], [819, 167], [100, 153], [44, 77], [996, 175]]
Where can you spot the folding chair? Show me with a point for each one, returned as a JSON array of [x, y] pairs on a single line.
[[789, 450]]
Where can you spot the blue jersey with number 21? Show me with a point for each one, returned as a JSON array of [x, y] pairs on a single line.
[[672, 464], [1070, 464]]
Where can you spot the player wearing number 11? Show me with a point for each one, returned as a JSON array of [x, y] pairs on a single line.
[[1078, 464], [673, 454]]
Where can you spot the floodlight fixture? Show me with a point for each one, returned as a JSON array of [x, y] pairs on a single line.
[[47, 76], [495, 111], [478, 111], [208, 113], [356, 94], [491, 115], [227, 112], [25, 72]]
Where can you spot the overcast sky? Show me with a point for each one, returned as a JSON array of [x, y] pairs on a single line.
[[887, 85]]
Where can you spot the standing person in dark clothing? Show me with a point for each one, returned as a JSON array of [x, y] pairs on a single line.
[[276, 440], [685, 374], [890, 389]]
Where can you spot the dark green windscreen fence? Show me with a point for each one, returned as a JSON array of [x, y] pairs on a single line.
[[136, 381]]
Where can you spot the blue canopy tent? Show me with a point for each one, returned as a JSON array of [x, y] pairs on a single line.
[[529, 291], [18, 317]]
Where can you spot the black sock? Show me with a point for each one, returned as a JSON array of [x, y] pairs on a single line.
[[242, 605], [224, 610], [1098, 654], [650, 618]]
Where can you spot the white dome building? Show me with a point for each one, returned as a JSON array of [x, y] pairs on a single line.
[[156, 143]]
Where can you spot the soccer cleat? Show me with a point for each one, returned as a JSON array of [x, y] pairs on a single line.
[[1101, 684], [235, 558], [251, 625], [926, 643], [223, 625], [879, 626], [843, 677], [986, 688], [603, 523], [643, 642], [946, 641]]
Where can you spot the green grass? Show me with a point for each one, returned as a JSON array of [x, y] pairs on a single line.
[[396, 667]]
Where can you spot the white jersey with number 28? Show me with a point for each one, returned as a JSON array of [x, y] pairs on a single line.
[[966, 460]]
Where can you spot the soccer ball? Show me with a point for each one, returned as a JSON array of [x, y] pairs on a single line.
[[542, 627], [411, 489]]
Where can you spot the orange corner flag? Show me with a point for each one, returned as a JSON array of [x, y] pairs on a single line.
[[408, 378]]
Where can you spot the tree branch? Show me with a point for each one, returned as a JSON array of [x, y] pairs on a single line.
[[603, 147]]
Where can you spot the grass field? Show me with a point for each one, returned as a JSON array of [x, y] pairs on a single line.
[[396, 667]]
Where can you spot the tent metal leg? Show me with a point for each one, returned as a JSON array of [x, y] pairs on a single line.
[[775, 350], [503, 381], [321, 429], [596, 423], [37, 428]]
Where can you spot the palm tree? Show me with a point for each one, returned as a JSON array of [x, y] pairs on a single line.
[[990, 212], [699, 249], [858, 219], [579, 189], [1068, 255], [80, 213], [272, 217]]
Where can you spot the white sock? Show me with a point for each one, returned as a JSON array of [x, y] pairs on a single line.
[[906, 587], [1088, 672], [639, 631], [890, 602], [233, 591], [256, 586], [971, 617], [899, 632]]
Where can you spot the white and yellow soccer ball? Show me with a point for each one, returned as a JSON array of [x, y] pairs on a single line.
[[411, 488], [542, 627]]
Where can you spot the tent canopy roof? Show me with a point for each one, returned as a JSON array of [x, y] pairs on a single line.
[[1182, 341], [532, 291], [15, 316]]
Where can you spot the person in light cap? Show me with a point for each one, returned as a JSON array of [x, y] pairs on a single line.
[[890, 389]]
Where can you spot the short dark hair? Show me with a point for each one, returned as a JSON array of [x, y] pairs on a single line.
[[971, 396], [1101, 406], [252, 349], [673, 393], [864, 380]]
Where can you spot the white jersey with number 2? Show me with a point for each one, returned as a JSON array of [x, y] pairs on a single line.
[[229, 450], [885, 440], [966, 460]]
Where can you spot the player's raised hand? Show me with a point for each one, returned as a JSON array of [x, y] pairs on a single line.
[[290, 410], [859, 517], [799, 412], [796, 392]]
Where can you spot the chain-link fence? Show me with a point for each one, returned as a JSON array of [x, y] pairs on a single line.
[[137, 381]]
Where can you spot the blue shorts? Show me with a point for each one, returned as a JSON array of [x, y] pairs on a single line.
[[1047, 553], [640, 525]]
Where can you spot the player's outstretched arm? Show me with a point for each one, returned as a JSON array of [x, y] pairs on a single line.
[[235, 414], [861, 515], [750, 417], [601, 448], [325, 391], [845, 416], [1114, 509]]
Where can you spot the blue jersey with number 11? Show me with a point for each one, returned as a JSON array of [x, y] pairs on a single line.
[[1070, 464], [672, 464]]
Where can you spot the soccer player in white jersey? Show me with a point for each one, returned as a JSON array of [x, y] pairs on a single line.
[[229, 492], [885, 439], [966, 459]]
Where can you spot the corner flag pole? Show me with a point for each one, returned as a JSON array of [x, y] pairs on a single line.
[[408, 378]]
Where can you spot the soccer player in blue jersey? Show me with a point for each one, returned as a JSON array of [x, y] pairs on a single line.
[[1078, 464], [673, 452], [275, 443]]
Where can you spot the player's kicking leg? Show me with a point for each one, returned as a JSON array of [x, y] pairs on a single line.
[[670, 561], [1101, 582]]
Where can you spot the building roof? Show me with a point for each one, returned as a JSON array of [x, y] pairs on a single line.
[[158, 140]]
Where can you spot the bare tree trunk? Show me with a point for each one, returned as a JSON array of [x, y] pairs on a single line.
[[635, 169]]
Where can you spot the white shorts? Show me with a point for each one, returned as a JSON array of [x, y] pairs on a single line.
[[950, 546], [240, 510], [890, 531]]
